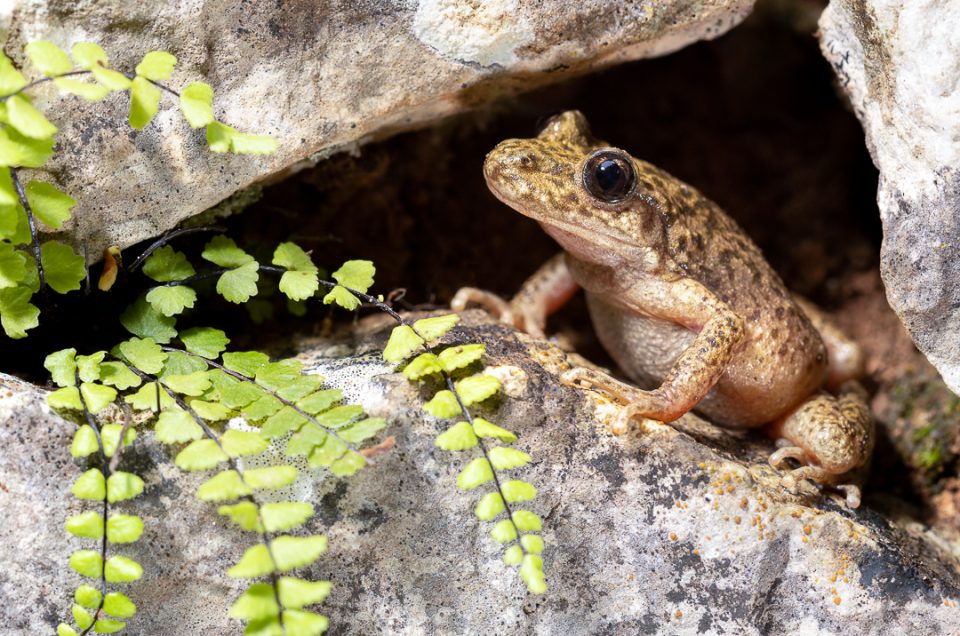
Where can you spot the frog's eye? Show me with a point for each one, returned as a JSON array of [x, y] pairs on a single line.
[[608, 175]]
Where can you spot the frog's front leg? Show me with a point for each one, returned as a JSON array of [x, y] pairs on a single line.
[[543, 293], [696, 370], [831, 436]]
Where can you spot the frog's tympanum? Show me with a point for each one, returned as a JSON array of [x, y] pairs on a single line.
[[684, 302]]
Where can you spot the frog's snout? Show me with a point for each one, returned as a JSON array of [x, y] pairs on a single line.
[[510, 160]]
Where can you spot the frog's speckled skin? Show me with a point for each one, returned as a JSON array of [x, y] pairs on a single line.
[[684, 302]]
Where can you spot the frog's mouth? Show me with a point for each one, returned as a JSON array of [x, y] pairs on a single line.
[[587, 244]]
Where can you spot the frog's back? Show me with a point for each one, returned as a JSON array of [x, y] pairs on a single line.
[[705, 244]]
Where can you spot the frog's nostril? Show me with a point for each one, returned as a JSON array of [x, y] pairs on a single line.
[[520, 159], [512, 157]]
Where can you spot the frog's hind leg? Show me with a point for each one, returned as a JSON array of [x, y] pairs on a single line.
[[845, 356], [832, 436]]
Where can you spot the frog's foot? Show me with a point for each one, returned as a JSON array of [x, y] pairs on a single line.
[[639, 406], [780, 461], [523, 317], [831, 437], [792, 476]]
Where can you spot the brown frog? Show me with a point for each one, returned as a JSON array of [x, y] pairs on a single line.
[[683, 301]]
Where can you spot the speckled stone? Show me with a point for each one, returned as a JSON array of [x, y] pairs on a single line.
[[899, 64], [319, 76], [670, 531]]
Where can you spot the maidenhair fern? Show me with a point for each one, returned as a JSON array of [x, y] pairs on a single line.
[[97, 608], [27, 140], [194, 390], [237, 275], [194, 386], [191, 387], [517, 528]]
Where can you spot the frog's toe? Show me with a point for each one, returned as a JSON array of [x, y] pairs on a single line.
[[778, 460], [596, 380], [791, 478], [634, 411], [852, 492], [488, 301], [574, 378], [630, 415], [789, 482], [620, 424]]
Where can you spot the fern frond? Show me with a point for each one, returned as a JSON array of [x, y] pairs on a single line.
[[520, 527], [103, 484]]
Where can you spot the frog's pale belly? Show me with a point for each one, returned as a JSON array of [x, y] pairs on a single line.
[[646, 350], [643, 348]]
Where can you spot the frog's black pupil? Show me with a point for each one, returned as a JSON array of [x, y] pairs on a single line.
[[608, 175], [611, 177]]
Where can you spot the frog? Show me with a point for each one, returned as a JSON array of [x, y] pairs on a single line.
[[685, 304]]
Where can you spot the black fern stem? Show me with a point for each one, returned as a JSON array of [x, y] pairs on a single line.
[[40, 81], [213, 273], [367, 299], [483, 449], [160, 85], [379, 304], [169, 236], [44, 80], [164, 87], [34, 236], [371, 300], [23, 197], [265, 537], [283, 400], [106, 470]]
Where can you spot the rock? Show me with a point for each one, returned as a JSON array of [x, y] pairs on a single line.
[[320, 77], [899, 64], [669, 531]]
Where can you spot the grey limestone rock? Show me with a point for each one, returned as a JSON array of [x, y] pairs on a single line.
[[671, 530], [899, 64], [319, 76]]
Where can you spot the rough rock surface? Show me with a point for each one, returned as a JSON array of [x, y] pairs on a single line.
[[672, 531], [899, 63], [320, 77]]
